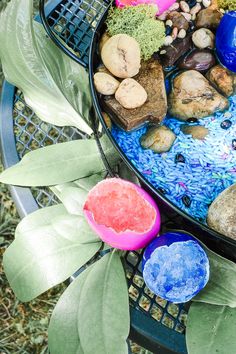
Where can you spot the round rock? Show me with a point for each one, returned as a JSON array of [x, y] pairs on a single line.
[[105, 83], [197, 131], [200, 60], [159, 139], [203, 38], [222, 213], [121, 56], [131, 94]]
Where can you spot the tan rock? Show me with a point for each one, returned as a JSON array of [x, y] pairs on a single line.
[[103, 40], [222, 213], [222, 79], [159, 139], [131, 94], [197, 131], [193, 96], [105, 83], [208, 18], [151, 78]]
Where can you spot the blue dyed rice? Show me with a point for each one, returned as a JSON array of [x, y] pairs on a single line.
[[209, 168]]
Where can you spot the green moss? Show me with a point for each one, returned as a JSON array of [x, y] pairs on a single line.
[[227, 4], [140, 23]]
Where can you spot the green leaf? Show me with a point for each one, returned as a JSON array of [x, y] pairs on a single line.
[[43, 256], [54, 86], [74, 194], [211, 329], [108, 316], [60, 163], [221, 287], [92, 316]]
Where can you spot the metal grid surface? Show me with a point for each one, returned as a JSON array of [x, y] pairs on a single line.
[[31, 133], [74, 22]]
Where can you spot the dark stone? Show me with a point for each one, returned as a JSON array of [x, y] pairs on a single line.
[[192, 120], [179, 158], [192, 3], [176, 50], [168, 30], [161, 190], [186, 200], [234, 144], [200, 60], [226, 124]]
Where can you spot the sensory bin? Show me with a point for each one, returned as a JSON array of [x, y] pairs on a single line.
[[170, 101]]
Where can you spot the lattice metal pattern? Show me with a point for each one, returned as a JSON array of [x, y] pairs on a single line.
[[74, 22], [31, 133]]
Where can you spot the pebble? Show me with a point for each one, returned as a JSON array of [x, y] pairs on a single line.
[[186, 200], [179, 158], [206, 3], [168, 40], [187, 16], [168, 30], [192, 3], [163, 16], [163, 52], [198, 132], [199, 1], [203, 38], [184, 6], [192, 120], [194, 10], [234, 144], [169, 23], [227, 115], [174, 7], [193, 17], [226, 124], [182, 33], [174, 33]]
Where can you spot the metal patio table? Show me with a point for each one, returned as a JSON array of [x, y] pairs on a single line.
[[156, 324]]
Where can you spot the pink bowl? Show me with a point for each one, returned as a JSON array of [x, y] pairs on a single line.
[[163, 5], [125, 240]]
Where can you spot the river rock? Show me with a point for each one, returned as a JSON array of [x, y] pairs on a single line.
[[193, 97], [175, 51], [197, 131], [203, 38], [151, 78], [222, 213], [208, 18], [178, 20], [200, 60], [222, 79], [159, 139], [130, 94]]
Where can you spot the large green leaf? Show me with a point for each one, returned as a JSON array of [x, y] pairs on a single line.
[[45, 255], [92, 316], [60, 163], [74, 194], [108, 316], [54, 85], [211, 329], [221, 287]]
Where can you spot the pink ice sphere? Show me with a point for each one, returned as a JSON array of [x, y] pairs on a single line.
[[162, 5], [122, 214]]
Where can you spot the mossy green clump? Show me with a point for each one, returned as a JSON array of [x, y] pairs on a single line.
[[140, 23], [227, 4]]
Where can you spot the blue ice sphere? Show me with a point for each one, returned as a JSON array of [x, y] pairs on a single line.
[[175, 266]]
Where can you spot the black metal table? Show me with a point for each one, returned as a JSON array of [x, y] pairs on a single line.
[[156, 324]]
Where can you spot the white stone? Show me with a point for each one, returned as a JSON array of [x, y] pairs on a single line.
[[186, 15], [182, 33], [203, 38], [169, 23], [195, 9], [168, 40], [184, 6], [163, 52], [206, 3], [174, 7]]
